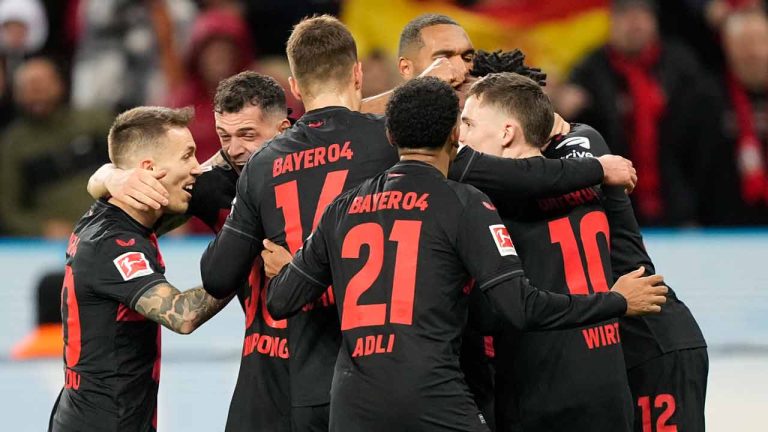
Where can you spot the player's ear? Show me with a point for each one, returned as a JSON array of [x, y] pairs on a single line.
[[294, 86], [147, 164], [508, 134], [285, 124], [389, 137], [406, 68], [357, 73]]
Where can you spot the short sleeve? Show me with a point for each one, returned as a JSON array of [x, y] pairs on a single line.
[[127, 265], [244, 219], [484, 244]]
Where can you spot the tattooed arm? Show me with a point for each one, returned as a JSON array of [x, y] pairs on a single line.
[[182, 312]]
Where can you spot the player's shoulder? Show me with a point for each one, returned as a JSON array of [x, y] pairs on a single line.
[[103, 235], [465, 194], [375, 120], [582, 141]]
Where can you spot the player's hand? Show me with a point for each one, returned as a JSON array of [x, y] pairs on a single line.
[[275, 258], [618, 172], [644, 295], [139, 188], [443, 70]]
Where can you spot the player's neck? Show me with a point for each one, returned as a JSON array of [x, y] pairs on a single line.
[[146, 218], [349, 99], [521, 150], [439, 160]]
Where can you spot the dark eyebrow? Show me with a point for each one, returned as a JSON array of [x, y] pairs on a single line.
[[245, 129], [451, 53], [444, 53]]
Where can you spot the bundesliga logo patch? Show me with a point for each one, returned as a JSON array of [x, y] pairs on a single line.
[[132, 265], [503, 240]]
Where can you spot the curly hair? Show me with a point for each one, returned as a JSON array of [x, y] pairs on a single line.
[[235, 92], [506, 61], [422, 113]]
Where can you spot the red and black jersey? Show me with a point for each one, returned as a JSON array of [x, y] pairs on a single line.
[[261, 400], [399, 251], [576, 377], [111, 352], [287, 184], [281, 194], [650, 336]]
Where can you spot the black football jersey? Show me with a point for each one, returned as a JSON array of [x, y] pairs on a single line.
[[282, 192], [261, 400], [212, 196], [649, 336], [285, 187], [111, 352], [400, 251], [568, 379]]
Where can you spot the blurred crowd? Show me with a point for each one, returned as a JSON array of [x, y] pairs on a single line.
[[680, 87]]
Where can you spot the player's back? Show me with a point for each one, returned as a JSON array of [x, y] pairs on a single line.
[[402, 306], [111, 352], [567, 379], [295, 176]]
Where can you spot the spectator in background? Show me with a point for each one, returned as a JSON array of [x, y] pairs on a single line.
[[652, 103], [47, 155], [23, 30], [740, 180], [219, 48], [126, 53]]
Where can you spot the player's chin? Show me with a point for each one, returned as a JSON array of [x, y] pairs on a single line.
[[178, 207]]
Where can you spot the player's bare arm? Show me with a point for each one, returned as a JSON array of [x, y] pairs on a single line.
[[138, 188], [182, 312], [441, 68]]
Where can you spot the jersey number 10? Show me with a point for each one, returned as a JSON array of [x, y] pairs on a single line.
[[561, 232]]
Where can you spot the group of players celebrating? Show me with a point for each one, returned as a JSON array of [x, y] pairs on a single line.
[[400, 272]]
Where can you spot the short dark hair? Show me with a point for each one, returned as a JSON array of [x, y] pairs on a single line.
[[505, 61], [422, 113], [321, 49], [140, 129], [262, 91], [411, 34], [520, 97]]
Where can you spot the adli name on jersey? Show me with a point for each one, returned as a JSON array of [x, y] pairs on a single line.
[[502, 239], [582, 142]]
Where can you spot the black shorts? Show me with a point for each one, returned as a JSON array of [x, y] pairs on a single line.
[[670, 390], [310, 418]]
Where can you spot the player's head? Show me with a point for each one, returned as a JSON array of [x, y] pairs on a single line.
[[322, 55], [249, 109], [428, 37], [486, 63], [157, 138], [421, 117], [506, 114]]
